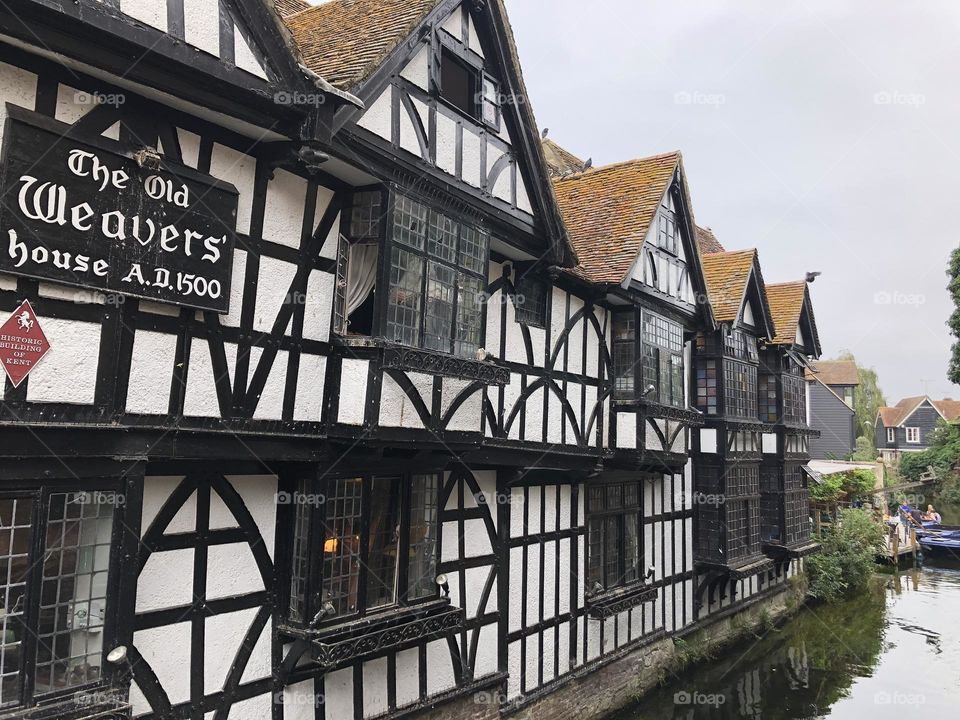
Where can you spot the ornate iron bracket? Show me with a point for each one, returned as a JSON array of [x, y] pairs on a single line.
[[425, 361]]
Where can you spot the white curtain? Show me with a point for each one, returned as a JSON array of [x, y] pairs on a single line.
[[361, 274]]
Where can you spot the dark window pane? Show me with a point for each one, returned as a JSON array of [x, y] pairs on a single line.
[[438, 328], [71, 620], [457, 83], [442, 241], [469, 315], [410, 222], [531, 301], [15, 522], [341, 545], [422, 569], [383, 546], [404, 308], [301, 556]]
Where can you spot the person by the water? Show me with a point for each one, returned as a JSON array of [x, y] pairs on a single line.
[[931, 515]]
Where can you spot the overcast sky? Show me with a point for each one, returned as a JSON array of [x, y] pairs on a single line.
[[824, 134]]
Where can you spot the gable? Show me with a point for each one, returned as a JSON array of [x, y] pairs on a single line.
[[748, 317], [443, 94], [215, 28]]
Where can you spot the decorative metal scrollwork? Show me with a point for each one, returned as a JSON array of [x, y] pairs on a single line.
[[416, 360], [330, 653]]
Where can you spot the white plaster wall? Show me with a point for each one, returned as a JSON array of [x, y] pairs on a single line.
[[396, 408], [626, 430], [149, 12], [440, 676], [311, 377], [283, 213], [708, 440], [533, 428], [299, 701], [200, 399], [471, 158], [408, 677], [202, 25], [467, 417], [417, 70], [244, 57], [408, 136], [232, 570], [189, 147], [338, 693], [68, 372], [375, 687], [270, 404], [151, 367], [223, 635], [353, 391], [167, 650], [377, 117], [239, 169], [769, 442], [162, 583], [446, 146], [273, 285]]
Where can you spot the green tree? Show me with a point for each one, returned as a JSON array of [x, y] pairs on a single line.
[[844, 565], [868, 399], [953, 286]]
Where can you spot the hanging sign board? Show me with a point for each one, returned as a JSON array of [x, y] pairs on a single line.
[[87, 214], [22, 343]]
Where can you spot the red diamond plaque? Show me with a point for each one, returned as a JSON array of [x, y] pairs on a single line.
[[22, 343]]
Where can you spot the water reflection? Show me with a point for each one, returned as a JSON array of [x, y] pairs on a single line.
[[892, 652]]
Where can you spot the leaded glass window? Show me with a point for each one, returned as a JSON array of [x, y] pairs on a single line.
[[624, 354], [662, 360], [55, 559], [437, 273], [614, 524], [740, 389], [378, 536], [531, 300]]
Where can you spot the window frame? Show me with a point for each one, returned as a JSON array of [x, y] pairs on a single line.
[[39, 494], [524, 314], [314, 582], [599, 518], [449, 46], [346, 239], [393, 245], [653, 363], [891, 435], [914, 433]]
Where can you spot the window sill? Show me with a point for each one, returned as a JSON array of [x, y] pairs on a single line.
[[80, 706], [611, 602], [349, 641], [400, 357]]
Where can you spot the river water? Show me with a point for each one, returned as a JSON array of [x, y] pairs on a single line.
[[893, 652]]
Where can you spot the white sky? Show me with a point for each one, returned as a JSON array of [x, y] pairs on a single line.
[[825, 134]]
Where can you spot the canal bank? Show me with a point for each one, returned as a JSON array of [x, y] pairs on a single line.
[[891, 652], [643, 673]]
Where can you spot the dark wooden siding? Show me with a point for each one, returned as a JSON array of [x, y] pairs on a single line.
[[835, 421], [924, 417]]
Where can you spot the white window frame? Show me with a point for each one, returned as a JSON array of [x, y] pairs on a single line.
[[913, 435], [891, 435]]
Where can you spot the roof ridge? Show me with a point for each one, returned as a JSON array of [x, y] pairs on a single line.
[[622, 163]]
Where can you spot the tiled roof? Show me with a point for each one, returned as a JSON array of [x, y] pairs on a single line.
[[727, 274], [289, 7], [950, 409], [707, 241], [608, 210], [836, 372], [344, 41], [893, 416], [786, 305], [560, 161]]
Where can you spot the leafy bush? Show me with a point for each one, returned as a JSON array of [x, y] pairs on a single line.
[[845, 563], [851, 485], [943, 455], [864, 450]]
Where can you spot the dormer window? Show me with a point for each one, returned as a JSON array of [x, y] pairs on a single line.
[[668, 232], [458, 83], [464, 85]]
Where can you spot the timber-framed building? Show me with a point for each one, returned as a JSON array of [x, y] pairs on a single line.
[[359, 401]]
